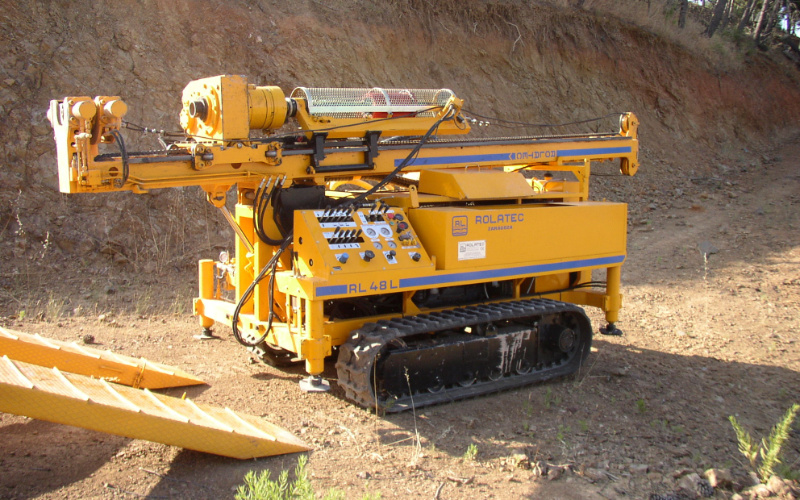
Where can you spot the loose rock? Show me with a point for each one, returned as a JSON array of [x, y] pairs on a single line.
[[555, 473], [521, 460], [779, 487], [719, 478], [594, 475]]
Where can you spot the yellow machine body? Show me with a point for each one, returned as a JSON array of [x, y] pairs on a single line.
[[313, 268], [226, 108], [480, 239]]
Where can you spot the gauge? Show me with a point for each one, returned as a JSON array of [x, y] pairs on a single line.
[[392, 244], [371, 233], [385, 231], [378, 246]]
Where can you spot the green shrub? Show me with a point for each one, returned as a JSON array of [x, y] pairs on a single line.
[[769, 449], [261, 487]]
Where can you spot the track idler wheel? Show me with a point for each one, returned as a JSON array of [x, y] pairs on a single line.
[[566, 340]]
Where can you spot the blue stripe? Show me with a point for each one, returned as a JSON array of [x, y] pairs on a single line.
[[593, 151], [504, 273], [449, 279], [324, 291], [448, 160], [503, 157]]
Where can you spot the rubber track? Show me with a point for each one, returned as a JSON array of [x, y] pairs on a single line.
[[357, 356]]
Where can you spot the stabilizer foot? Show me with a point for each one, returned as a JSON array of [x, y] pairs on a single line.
[[611, 330], [315, 384], [206, 335]]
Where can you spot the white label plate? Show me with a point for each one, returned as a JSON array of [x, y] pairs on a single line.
[[470, 250]]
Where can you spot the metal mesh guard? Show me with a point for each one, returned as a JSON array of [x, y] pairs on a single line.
[[353, 103]]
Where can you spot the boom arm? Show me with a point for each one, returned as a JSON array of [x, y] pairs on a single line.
[[333, 143]]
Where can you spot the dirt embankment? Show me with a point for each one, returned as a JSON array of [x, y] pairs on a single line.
[[539, 62]]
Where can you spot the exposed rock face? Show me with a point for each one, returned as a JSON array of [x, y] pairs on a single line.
[[532, 62]]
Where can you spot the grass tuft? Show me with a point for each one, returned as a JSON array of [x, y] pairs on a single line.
[[769, 449], [261, 487], [472, 452]]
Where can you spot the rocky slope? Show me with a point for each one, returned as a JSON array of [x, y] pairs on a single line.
[[539, 62]]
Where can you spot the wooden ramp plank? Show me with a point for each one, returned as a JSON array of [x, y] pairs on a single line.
[[98, 363], [72, 399]]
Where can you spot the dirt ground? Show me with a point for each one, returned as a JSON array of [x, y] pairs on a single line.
[[711, 285]]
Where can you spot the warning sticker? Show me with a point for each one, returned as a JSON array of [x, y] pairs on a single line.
[[469, 250]]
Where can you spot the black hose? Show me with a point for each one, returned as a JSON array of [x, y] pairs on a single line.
[[273, 262], [272, 267], [408, 159], [124, 153], [262, 201]]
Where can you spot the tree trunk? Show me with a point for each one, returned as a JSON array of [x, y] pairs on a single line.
[[726, 18], [684, 10], [773, 18], [762, 20], [716, 18], [746, 15]]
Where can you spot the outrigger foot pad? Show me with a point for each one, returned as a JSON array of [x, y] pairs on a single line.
[[612, 330], [206, 335], [315, 384]]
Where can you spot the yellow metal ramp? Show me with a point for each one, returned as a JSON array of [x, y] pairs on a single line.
[[74, 358], [66, 398]]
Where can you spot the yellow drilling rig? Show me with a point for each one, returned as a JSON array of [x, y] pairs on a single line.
[[436, 267]]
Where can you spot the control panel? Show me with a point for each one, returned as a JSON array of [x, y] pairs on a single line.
[[373, 237]]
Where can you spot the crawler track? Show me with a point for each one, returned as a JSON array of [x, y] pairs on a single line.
[[444, 356]]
